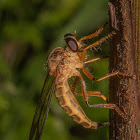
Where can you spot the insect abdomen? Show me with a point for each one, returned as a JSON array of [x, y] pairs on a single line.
[[71, 106]]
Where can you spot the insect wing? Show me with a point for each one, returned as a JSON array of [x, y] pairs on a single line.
[[42, 109]]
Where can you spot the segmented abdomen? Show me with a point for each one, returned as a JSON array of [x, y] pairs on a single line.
[[71, 106]]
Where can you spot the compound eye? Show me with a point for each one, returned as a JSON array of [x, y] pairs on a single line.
[[72, 44]]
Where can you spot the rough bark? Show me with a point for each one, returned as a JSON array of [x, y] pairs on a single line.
[[125, 58]]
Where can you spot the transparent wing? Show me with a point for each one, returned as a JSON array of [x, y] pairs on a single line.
[[42, 109]]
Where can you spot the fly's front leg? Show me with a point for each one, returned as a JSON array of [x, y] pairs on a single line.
[[99, 41], [93, 35], [83, 54]]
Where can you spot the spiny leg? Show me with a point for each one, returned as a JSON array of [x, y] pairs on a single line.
[[95, 59], [91, 77], [99, 41], [83, 55], [85, 95], [109, 106], [88, 74], [85, 71], [113, 74], [93, 35], [90, 93], [74, 84], [93, 93]]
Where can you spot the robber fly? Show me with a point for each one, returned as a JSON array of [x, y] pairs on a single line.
[[62, 64]]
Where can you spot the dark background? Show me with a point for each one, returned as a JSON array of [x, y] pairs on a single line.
[[29, 30]]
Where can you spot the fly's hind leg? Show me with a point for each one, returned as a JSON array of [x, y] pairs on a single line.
[[109, 106], [93, 93], [89, 93], [85, 95], [74, 84]]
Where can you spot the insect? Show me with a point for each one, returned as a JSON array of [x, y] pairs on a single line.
[[63, 63]]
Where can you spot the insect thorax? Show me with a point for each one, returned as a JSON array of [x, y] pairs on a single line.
[[64, 62]]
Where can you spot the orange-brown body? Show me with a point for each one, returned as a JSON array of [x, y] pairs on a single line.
[[63, 64], [68, 102]]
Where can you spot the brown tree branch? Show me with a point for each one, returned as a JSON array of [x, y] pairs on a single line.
[[125, 58]]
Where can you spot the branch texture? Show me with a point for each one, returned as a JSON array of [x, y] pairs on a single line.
[[125, 57]]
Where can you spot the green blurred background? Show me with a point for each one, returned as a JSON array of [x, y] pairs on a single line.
[[29, 30]]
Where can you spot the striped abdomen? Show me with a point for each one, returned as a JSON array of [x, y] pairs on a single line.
[[71, 106]]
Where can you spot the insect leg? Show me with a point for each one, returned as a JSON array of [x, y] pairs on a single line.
[[91, 77], [93, 93], [90, 93], [88, 74], [85, 93], [93, 35], [113, 74], [92, 60], [83, 85], [74, 84], [83, 54], [95, 59], [99, 41], [109, 106]]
